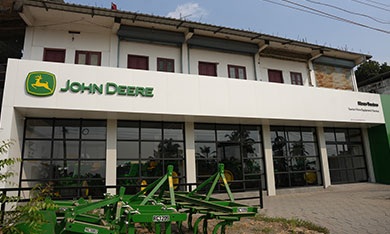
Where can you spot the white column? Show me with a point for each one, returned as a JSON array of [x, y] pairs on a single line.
[[111, 154], [113, 50], [367, 152], [184, 58], [190, 152], [269, 163], [312, 75], [324, 157], [354, 82], [28, 43]]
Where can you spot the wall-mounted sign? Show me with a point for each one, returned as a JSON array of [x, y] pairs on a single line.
[[109, 88], [39, 83]]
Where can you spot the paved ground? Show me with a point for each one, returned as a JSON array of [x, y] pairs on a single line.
[[351, 208]]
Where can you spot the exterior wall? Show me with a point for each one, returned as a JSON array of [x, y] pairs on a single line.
[[333, 77], [285, 66], [380, 145], [40, 38], [150, 50], [222, 60]]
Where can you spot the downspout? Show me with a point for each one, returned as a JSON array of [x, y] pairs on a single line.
[[254, 65], [118, 53], [310, 68], [262, 46]]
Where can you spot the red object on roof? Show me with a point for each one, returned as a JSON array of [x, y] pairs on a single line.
[[113, 6]]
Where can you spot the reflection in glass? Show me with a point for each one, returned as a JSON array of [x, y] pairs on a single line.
[[93, 129], [293, 133], [329, 135], [252, 166], [66, 170], [127, 168], [173, 131], [150, 150], [36, 170], [92, 169], [341, 134], [66, 150], [297, 164], [280, 164], [93, 149], [229, 133], [67, 129], [127, 150], [206, 167], [128, 130], [205, 150], [151, 131], [39, 128], [37, 149]]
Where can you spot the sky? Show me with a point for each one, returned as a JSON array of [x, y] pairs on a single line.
[[269, 18]]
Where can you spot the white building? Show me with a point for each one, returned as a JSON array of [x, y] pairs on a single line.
[[104, 97]]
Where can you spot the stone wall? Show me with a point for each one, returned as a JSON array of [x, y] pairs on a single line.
[[333, 77]]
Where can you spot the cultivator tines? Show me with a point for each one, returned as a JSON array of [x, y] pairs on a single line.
[[211, 208], [158, 203]]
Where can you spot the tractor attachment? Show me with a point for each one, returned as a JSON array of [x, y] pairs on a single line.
[[156, 204]]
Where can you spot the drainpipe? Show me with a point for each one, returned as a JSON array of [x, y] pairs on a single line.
[[310, 67], [118, 53], [262, 47]]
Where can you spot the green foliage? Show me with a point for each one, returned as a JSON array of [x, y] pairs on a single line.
[[22, 216], [369, 69], [292, 223]]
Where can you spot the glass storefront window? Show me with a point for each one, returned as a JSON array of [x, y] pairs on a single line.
[[296, 157], [238, 147], [345, 155], [145, 149], [65, 153]]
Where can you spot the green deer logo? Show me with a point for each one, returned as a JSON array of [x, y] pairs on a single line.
[[40, 83]]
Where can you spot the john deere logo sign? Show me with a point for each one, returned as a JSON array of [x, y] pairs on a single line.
[[40, 83]]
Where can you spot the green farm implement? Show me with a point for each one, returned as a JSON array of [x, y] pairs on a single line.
[[157, 204]]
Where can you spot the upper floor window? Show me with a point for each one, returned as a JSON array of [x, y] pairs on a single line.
[[275, 76], [207, 69], [238, 72], [138, 62], [165, 65], [88, 57], [296, 78], [54, 55]]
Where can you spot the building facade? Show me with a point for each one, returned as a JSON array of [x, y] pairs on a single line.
[[104, 97]]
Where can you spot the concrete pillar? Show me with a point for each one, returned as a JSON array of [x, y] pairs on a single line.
[[190, 152], [323, 157], [28, 43], [111, 154], [367, 152], [184, 58], [354, 82], [114, 51], [269, 162], [312, 75]]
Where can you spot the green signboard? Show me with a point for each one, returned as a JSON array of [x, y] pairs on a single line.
[[39, 83]]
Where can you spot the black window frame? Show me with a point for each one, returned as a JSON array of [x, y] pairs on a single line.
[[139, 140], [215, 127], [287, 157], [78, 189], [347, 142]]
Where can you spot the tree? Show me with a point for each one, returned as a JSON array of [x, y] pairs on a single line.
[[369, 69], [21, 218]]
